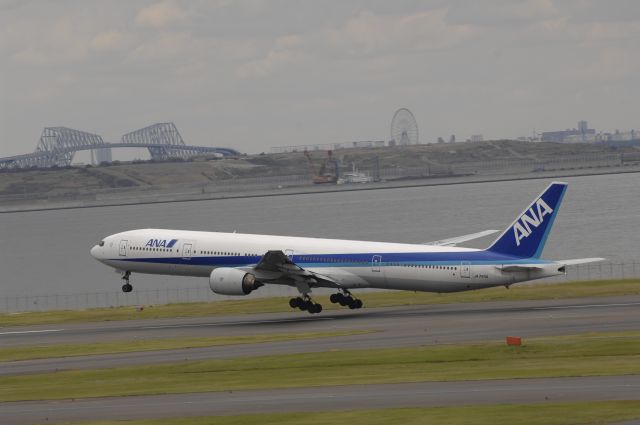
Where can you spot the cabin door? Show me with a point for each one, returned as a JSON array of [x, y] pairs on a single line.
[[377, 278], [123, 248], [375, 263], [465, 269], [186, 251]]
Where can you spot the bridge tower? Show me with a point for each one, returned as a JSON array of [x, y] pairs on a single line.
[[163, 140], [58, 145]]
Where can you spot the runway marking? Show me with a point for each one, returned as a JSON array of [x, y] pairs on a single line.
[[585, 306], [31, 332], [244, 322]]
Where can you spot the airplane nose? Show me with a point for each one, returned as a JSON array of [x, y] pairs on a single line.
[[94, 251]]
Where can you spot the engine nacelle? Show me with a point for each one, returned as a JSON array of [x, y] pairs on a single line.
[[230, 281]]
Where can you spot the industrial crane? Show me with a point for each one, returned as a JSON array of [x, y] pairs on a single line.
[[328, 172]]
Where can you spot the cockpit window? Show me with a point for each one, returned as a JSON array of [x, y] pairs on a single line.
[[101, 243]]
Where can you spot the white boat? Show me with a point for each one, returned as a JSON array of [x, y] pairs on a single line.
[[354, 177]]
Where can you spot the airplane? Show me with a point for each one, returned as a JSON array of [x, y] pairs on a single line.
[[238, 264]]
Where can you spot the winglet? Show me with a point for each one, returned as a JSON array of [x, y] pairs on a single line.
[[526, 236]]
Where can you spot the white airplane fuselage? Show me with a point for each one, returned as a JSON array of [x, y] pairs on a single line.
[[237, 264], [352, 264]]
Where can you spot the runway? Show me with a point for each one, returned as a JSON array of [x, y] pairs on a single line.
[[346, 397], [393, 327]]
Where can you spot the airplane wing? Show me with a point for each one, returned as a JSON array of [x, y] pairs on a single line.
[[277, 267], [463, 238], [579, 261]]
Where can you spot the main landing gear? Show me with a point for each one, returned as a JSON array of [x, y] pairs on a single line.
[[345, 298], [127, 287], [305, 304]]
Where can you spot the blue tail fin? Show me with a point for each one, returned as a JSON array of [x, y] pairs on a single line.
[[526, 236]]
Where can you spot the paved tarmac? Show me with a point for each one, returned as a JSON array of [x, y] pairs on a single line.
[[394, 327], [346, 397]]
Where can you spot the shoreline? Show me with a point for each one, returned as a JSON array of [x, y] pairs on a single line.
[[308, 190]]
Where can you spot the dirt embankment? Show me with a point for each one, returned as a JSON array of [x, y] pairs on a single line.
[[58, 182]]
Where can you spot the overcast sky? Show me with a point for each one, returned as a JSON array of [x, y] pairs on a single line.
[[256, 74]]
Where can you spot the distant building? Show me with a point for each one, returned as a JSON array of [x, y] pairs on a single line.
[[476, 138], [618, 136], [330, 146], [575, 135], [583, 127]]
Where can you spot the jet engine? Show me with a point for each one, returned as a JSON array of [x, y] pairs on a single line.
[[230, 281]]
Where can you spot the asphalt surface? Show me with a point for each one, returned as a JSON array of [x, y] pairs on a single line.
[[347, 397], [394, 327]]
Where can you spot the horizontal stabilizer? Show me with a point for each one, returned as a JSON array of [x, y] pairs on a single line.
[[580, 261], [519, 267], [463, 238]]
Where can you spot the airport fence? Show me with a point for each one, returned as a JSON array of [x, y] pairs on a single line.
[[148, 296]]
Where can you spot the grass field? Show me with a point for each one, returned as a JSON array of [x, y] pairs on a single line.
[[580, 355], [371, 299], [586, 413], [70, 350]]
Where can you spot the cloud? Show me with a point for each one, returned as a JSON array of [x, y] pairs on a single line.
[[502, 12], [285, 51], [161, 14], [368, 33], [167, 45], [110, 40]]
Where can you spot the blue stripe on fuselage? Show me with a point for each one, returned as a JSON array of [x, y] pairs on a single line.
[[350, 260]]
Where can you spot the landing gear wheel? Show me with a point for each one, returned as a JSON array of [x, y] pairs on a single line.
[[345, 299], [314, 308], [127, 286], [304, 305]]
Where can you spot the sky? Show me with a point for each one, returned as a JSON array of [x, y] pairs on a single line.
[[254, 74]]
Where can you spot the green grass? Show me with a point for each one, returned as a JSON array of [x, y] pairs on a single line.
[[584, 355], [598, 412], [70, 350], [371, 299]]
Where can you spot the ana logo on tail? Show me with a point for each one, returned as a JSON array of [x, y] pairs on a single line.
[[523, 226]]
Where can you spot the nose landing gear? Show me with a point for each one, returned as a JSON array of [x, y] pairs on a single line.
[[127, 287]]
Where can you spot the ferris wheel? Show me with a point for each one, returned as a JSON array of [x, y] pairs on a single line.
[[404, 128]]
